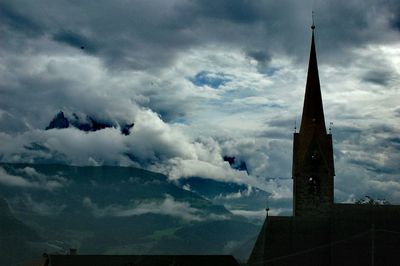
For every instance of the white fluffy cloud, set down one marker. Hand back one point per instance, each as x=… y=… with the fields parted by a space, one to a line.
x=34 y=180
x=168 y=206
x=12 y=180
x=257 y=215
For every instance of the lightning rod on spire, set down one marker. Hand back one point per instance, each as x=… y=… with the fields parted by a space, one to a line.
x=267 y=208
x=312 y=17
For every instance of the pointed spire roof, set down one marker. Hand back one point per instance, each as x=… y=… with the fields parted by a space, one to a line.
x=313 y=113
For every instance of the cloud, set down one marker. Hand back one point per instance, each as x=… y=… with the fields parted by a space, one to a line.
x=260 y=56
x=36 y=180
x=106 y=146
x=168 y=206
x=237 y=195
x=137 y=65
x=254 y=215
x=375 y=174
x=11 y=124
x=385 y=186
x=378 y=77
x=19 y=21
x=260 y=215
x=141 y=36
x=189 y=168
x=75 y=40
x=11 y=180
x=40 y=207
x=213 y=80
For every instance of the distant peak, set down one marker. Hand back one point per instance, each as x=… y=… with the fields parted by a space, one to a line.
x=59 y=121
x=86 y=123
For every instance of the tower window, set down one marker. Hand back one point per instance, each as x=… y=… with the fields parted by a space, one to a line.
x=314 y=156
x=313 y=185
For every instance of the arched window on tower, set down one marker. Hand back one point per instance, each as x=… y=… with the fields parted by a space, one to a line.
x=313 y=185
x=315 y=157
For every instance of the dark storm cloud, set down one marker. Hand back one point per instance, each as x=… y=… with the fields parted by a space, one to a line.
x=48 y=92
x=378 y=77
x=395 y=22
x=383 y=128
x=143 y=34
x=394 y=19
x=169 y=111
x=368 y=157
x=76 y=40
x=376 y=138
x=282 y=123
x=260 y=56
x=395 y=142
x=275 y=134
x=18 y=21
x=237 y=11
x=349 y=23
x=373 y=166
x=358 y=135
x=11 y=124
x=348 y=133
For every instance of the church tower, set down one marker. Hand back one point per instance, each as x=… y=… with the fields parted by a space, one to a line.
x=322 y=232
x=313 y=168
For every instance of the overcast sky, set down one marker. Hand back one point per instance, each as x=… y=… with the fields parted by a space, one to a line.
x=200 y=80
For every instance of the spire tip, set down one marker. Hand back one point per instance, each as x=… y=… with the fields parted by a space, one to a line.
x=312 y=16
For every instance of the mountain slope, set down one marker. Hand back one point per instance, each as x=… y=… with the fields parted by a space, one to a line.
x=236 y=196
x=14 y=237
x=118 y=210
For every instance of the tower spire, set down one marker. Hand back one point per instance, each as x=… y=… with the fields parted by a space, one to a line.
x=313 y=112
x=313 y=167
x=312 y=17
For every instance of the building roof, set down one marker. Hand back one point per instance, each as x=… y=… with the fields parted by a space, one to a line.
x=142 y=260
x=346 y=237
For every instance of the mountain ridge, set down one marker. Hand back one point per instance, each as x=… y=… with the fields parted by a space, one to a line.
x=120 y=210
x=86 y=123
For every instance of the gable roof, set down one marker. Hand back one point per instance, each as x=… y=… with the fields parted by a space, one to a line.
x=142 y=260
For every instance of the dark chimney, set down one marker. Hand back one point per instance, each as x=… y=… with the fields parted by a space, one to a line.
x=73 y=251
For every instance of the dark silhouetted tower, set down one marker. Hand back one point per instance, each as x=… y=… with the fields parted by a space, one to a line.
x=313 y=168
x=322 y=232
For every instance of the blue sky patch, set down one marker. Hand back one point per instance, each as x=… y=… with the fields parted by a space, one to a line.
x=212 y=79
